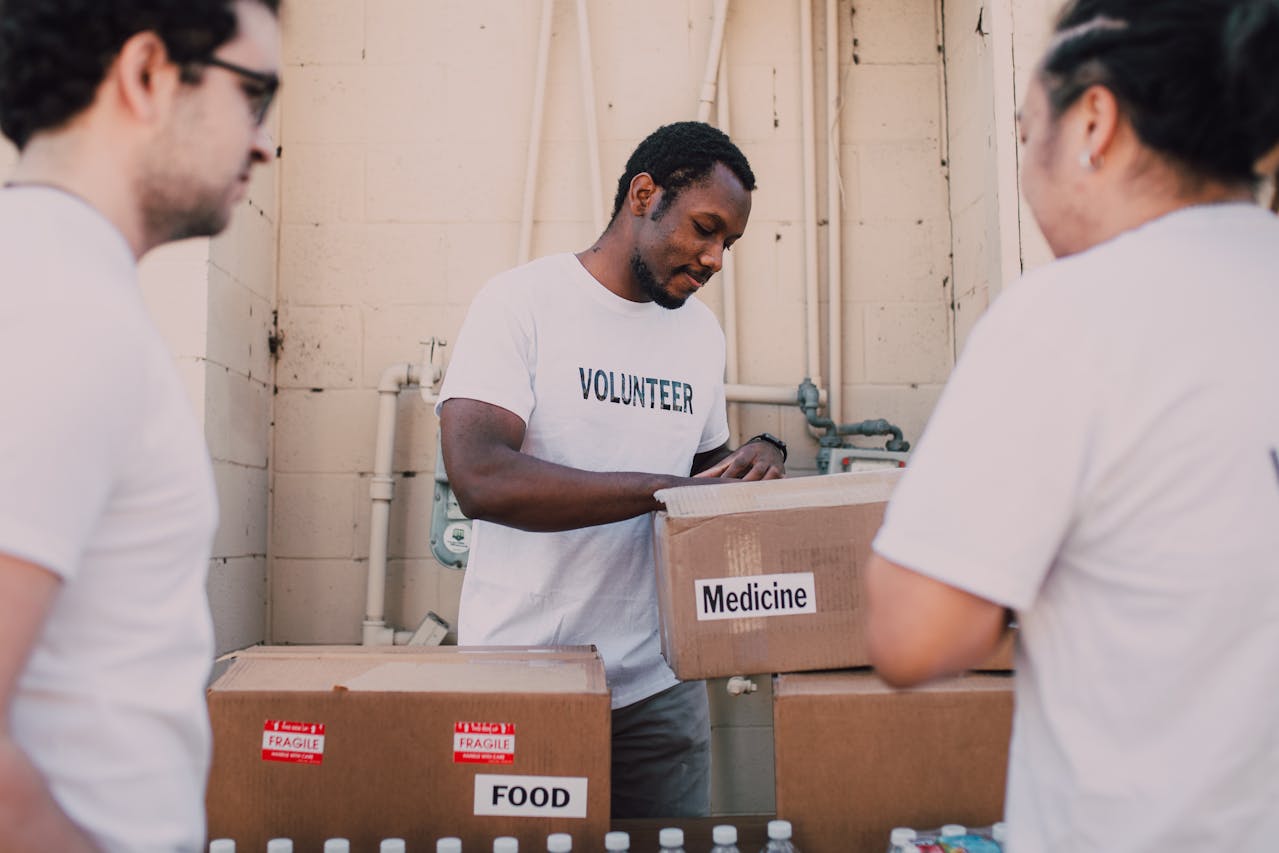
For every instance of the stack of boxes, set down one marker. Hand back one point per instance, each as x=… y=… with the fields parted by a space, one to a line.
x=767 y=578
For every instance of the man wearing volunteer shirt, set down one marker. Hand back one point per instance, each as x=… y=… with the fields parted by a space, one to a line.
x=582 y=384
x=137 y=123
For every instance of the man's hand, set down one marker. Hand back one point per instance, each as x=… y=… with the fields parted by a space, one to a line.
x=754 y=460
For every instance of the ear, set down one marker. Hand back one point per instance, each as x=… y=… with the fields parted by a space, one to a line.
x=143 y=78
x=1101 y=118
x=643 y=194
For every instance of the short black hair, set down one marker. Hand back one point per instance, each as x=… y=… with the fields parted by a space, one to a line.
x=1197 y=79
x=678 y=155
x=55 y=53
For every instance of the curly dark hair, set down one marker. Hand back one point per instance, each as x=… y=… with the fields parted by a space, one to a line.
x=1197 y=79
x=678 y=155
x=55 y=53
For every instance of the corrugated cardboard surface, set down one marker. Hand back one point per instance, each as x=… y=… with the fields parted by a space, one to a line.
x=822 y=525
x=855 y=758
x=388 y=766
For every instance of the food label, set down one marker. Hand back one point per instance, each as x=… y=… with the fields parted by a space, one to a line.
x=530 y=796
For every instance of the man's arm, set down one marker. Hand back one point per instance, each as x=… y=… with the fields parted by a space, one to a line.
x=30 y=820
x=754 y=460
x=920 y=628
x=494 y=481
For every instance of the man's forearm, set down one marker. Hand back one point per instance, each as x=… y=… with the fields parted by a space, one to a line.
x=30 y=819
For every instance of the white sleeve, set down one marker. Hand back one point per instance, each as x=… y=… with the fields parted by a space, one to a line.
x=70 y=401
x=494 y=357
x=991 y=491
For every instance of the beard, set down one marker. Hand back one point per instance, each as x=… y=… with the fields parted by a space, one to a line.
x=179 y=209
x=648 y=283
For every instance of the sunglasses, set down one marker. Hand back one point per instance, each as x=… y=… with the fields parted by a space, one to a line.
x=259 y=87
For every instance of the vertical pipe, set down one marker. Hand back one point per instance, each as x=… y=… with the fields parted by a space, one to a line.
x=728 y=275
x=834 y=221
x=535 y=133
x=812 y=366
x=708 y=97
x=588 y=117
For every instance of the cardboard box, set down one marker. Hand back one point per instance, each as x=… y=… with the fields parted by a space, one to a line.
x=855 y=758
x=766 y=577
x=311 y=743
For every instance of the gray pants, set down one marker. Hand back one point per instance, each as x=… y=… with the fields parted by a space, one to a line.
x=662 y=755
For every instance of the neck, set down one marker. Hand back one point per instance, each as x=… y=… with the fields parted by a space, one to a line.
x=68 y=161
x=608 y=261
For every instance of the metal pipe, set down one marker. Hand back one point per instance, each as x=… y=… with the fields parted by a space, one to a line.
x=588 y=117
x=729 y=273
x=708 y=93
x=834 y=220
x=381 y=490
x=813 y=363
x=778 y=395
x=535 y=133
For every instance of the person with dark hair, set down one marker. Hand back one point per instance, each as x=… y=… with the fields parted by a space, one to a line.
x=1133 y=527
x=575 y=393
x=137 y=122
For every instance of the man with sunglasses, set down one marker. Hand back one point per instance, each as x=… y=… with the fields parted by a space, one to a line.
x=137 y=122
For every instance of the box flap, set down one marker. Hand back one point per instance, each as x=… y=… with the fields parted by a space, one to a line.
x=859 y=487
x=409 y=670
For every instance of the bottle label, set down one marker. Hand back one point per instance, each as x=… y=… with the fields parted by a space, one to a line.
x=756 y=595
x=530 y=796
x=483 y=743
x=293 y=742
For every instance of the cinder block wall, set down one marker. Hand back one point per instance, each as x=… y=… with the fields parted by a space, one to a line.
x=405 y=129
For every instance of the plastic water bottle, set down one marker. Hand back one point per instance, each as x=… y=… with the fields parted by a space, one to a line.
x=506 y=844
x=724 y=838
x=999 y=833
x=559 y=842
x=448 y=845
x=391 y=845
x=222 y=845
x=952 y=830
x=779 y=832
x=617 y=842
x=900 y=837
x=337 y=845
x=671 y=840
x=279 y=845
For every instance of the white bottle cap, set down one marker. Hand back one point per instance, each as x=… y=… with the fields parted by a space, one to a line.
x=671 y=836
x=724 y=835
x=448 y=845
x=902 y=835
x=222 y=845
x=337 y=845
x=279 y=845
x=952 y=829
x=506 y=844
x=617 y=841
x=999 y=832
x=392 y=845
x=779 y=830
x=559 y=842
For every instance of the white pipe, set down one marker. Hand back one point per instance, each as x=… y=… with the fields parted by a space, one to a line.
x=834 y=221
x=729 y=273
x=588 y=116
x=777 y=395
x=812 y=368
x=381 y=489
x=535 y=133
x=707 y=96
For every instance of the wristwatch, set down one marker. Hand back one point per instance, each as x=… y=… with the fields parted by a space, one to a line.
x=771 y=439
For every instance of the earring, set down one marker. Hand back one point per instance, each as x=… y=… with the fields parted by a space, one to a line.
x=1089 y=161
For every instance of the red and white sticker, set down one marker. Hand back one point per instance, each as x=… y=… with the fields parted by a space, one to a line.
x=483 y=743
x=296 y=743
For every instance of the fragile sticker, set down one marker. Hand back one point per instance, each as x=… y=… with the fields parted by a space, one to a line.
x=483 y=743
x=756 y=595
x=530 y=796
x=296 y=743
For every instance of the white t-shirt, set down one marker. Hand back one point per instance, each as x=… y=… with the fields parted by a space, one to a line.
x=105 y=481
x=1103 y=461
x=602 y=384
